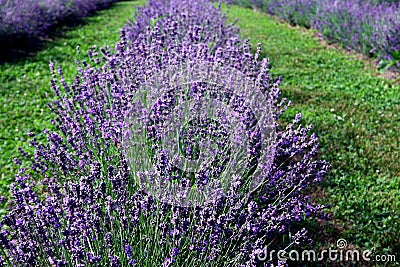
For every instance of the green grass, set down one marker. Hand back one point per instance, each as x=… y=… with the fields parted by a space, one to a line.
x=25 y=84
x=357 y=117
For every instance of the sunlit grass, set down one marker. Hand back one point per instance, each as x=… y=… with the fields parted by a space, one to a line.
x=356 y=116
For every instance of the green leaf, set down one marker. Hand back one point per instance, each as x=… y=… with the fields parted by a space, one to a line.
x=396 y=55
x=154 y=21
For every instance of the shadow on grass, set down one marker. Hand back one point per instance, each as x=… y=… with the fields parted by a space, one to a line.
x=16 y=48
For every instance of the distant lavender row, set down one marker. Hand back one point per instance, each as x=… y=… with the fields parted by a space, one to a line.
x=33 y=18
x=370 y=27
x=77 y=204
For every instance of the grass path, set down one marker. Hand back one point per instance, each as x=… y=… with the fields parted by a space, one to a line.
x=357 y=117
x=24 y=85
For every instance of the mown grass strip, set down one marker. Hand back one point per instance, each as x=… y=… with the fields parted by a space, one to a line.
x=25 y=84
x=356 y=116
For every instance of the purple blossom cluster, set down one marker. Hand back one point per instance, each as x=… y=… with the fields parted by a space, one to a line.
x=78 y=204
x=34 y=18
x=370 y=27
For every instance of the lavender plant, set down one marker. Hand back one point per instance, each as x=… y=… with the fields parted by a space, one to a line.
x=33 y=18
x=369 y=27
x=79 y=204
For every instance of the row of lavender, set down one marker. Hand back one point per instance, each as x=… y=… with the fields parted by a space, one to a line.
x=77 y=204
x=33 y=18
x=370 y=27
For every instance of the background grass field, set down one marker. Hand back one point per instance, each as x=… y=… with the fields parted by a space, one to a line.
x=357 y=118
x=355 y=114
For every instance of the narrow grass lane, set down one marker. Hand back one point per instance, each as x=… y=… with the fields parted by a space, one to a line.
x=357 y=117
x=25 y=84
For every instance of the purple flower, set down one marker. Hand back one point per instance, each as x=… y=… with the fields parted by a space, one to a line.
x=174 y=252
x=370 y=27
x=33 y=19
x=128 y=251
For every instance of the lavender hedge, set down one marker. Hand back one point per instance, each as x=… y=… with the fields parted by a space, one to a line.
x=77 y=204
x=34 y=18
x=370 y=27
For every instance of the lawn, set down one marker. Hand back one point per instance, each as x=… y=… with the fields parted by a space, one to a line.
x=355 y=113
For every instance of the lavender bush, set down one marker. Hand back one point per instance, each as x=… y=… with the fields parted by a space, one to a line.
x=78 y=203
x=34 y=18
x=370 y=27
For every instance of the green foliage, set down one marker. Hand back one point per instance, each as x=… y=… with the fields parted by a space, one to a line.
x=356 y=116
